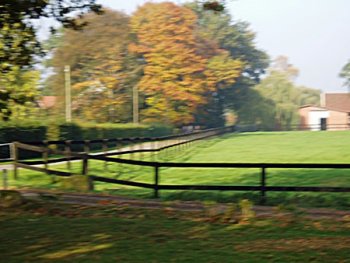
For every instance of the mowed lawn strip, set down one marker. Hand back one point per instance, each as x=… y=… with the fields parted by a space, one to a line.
x=280 y=147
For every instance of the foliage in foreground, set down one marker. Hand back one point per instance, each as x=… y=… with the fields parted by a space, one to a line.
x=18 y=94
x=46 y=231
x=19 y=44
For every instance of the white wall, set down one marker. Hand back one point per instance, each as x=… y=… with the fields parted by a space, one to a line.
x=315 y=119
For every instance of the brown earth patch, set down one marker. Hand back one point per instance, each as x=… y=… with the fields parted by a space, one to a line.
x=298 y=244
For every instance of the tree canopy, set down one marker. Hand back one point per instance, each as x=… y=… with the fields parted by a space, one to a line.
x=100 y=73
x=187 y=63
x=160 y=49
x=345 y=74
x=279 y=88
x=179 y=70
x=18 y=93
x=221 y=31
x=18 y=41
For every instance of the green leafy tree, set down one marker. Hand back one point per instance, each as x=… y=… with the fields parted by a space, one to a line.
x=345 y=74
x=102 y=71
x=18 y=42
x=18 y=94
x=186 y=62
x=221 y=31
x=180 y=71
x=281 y=90
x=286 y=96
x=253 y=108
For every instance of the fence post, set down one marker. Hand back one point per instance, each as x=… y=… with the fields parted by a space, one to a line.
x=87 y=146
x=156 y=181
x=132 y=147
x=263 y=184
x=4 y=178
x=105 y=150
x=121 y=166
x=141 y=153
x=45 y=156
x=85 y=164
x=68 y=153
x=14 y=156
x=90 y=183
x=153 y=146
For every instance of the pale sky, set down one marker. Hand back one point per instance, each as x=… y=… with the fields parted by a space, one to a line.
x=314 y=34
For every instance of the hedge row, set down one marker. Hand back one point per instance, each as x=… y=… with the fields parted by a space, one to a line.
x=29 y=132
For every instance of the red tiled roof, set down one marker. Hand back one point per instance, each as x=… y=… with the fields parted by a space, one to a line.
x=338 y=101
x=313 y=107
x=47 y=102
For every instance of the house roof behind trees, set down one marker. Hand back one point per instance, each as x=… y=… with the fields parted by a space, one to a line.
x=47 y=102
x=337 y=101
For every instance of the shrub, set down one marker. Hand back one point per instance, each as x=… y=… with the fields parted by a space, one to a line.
x=10 y=198
x=40 y=131
x=78 y=183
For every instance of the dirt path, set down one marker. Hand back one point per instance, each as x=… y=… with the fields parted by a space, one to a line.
x=185 y=206
x=6 y=167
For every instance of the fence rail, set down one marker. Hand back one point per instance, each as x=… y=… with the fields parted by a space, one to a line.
x=294 y=127
x=158 y=145
x=145 y=145
x=263 y=188
x=9 y=147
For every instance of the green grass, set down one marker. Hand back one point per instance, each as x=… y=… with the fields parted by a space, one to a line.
x=258 y=147
x=60 y=233
x=315 y=147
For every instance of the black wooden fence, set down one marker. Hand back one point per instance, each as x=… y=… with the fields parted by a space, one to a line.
x=63 y=149
x=159 y=144
x=262 y=187
x=6 y=150
x=293 y=127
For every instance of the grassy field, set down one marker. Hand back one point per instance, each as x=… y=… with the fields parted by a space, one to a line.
x=49 y=232
x=258 y=147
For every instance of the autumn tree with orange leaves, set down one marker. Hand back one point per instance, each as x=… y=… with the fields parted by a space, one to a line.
x=179 y=68
x=100 y=70
x=189 y=65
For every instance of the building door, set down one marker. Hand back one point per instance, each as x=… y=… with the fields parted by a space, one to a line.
x=323 y=123
x=315 y=119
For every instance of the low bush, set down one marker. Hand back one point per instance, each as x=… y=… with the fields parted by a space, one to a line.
x=10 y=198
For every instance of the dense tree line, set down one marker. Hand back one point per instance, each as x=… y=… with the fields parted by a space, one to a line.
x=345 y=74
x=188 y=63
x=20 y=49
x=274 y=102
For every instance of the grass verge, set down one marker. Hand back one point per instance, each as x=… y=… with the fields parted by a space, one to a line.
x=48 y=232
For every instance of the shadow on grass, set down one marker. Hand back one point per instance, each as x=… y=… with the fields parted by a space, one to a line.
x=302 y=199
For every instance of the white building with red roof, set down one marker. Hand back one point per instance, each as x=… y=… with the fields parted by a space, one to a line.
x=332 y=114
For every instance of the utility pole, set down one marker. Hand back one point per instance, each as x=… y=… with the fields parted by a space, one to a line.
x=67 y=85
x=111 y=111
x=135 y=105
